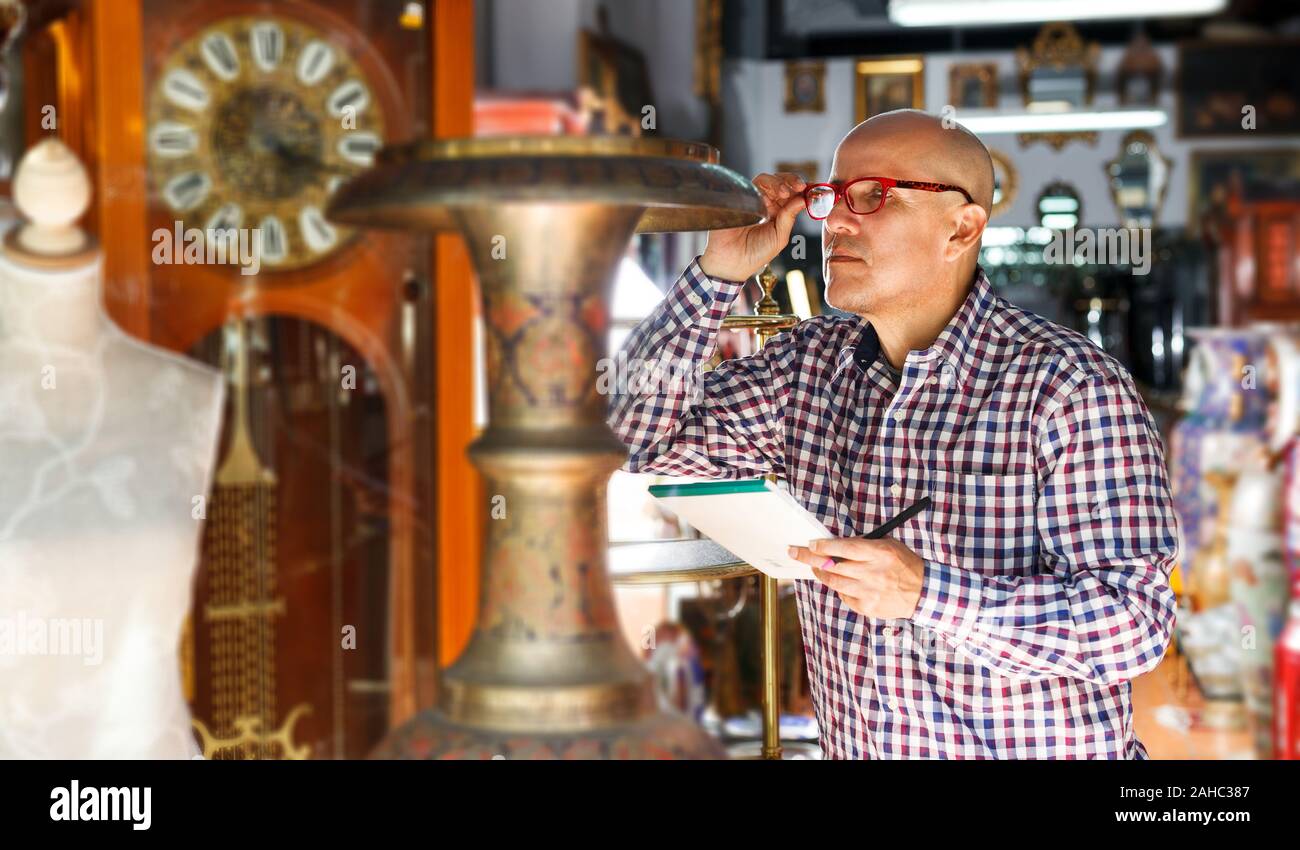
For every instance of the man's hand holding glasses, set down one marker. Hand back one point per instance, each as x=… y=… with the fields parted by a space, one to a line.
x=741 y=252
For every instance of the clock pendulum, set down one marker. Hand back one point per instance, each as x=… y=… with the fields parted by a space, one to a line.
x=547 y=672
x=242 y=606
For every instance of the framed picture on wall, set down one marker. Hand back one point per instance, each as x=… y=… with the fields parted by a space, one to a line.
x=885 y=84
x=613 y=84
x=805 y=86
x=1221 y=84
x=1214 y=173
x=973 y=85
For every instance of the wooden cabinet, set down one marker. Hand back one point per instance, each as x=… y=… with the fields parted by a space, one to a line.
x=1258 y=259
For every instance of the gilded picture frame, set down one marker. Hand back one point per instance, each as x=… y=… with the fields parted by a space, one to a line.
x=973 y=85
x=805 y=86
x=887 y=83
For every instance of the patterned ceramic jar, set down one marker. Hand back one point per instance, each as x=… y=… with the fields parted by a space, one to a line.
x=1224 y=429
x=1258 y=587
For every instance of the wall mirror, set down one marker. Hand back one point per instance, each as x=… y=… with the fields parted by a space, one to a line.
x=1138 y=177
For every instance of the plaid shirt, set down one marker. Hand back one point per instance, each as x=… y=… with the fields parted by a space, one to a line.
x=1047 y=550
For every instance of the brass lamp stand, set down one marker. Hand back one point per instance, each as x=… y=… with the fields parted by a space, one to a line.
x=643 y=567
x=547 y=673
x=767 y=322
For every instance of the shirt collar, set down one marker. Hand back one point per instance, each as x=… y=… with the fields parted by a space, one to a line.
x=955 y=346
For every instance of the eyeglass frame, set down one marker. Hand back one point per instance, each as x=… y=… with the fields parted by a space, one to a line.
x=886 y=183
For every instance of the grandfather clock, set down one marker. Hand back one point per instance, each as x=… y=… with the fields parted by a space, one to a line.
x=320 y=612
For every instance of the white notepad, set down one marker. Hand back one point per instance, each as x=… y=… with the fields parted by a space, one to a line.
x=754 y=518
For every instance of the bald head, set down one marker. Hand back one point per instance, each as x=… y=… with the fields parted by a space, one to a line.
x=930 y=150
x=873 y=262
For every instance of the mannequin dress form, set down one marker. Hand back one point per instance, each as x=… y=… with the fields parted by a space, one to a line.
x=107 y=446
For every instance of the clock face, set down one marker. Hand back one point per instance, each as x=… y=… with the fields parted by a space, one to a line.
x=253 y=123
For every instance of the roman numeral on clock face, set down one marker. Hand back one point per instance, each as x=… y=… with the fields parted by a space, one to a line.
x=170 y=139
x=315 y=61
x=350 y=96
x=318 y=233
x=186 y=90
x=359 y=148
x=274 y=241
x=266 y=41
x=219 y=53
x=227 y=217
x=186 y=191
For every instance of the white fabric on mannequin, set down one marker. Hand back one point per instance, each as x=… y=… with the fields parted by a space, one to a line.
x=105 y=445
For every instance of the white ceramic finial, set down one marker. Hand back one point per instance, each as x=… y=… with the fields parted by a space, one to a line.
x=51 y=190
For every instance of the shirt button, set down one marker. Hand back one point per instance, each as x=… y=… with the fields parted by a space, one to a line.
x=696 y=300
x=934 y=379
x=897 y=416
x=895 y=490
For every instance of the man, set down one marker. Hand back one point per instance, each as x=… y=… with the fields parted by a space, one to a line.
x=1008 y=620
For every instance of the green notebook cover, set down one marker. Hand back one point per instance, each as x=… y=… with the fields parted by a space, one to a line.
x=709 y=488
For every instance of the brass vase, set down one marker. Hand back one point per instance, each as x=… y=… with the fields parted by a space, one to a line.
x=547 y=220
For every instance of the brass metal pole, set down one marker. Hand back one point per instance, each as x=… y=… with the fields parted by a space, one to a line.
x=769 y=594
x=769 y=589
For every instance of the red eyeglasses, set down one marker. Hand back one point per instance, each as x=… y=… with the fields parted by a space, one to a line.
x=865 y=195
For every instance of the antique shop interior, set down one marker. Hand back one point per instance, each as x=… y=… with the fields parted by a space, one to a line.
x=328 y=480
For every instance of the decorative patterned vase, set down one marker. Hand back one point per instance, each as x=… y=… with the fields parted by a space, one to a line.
x=547 y=673
x=1258 y=587
x=1224 y=429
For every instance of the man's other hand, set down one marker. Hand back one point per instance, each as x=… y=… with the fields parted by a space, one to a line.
x=876 y=578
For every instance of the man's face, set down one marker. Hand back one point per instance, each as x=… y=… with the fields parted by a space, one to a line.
x=889 y=260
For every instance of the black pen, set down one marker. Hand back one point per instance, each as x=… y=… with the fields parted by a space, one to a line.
x=908 y=512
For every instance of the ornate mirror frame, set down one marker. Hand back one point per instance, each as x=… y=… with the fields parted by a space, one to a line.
x=1112 y=165
x=1058 y=47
